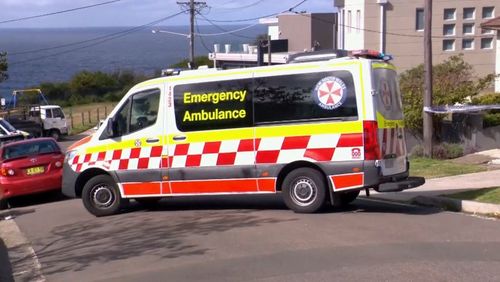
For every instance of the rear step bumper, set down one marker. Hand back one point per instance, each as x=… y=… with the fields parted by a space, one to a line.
x=398 y=186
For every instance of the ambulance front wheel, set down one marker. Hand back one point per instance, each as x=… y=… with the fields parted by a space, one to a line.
x=101 y=196
x=304 y=190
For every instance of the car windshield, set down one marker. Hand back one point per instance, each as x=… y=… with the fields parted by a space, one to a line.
x=5 y=124
x=29 y=149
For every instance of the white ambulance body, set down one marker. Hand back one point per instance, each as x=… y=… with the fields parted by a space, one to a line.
x=317 y=132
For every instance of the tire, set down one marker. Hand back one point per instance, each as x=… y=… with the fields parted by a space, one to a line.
x=101 y=197
x=304 y=190
x=54 y=133
x=4 y=204
x=345 y=198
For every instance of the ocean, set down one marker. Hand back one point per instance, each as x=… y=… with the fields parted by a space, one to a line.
x=142 y=51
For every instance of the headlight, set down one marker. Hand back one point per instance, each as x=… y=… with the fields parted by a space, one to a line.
x=69 y=156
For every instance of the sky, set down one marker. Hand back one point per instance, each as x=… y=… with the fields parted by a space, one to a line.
x=138 y=12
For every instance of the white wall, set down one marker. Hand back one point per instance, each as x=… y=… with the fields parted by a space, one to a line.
x=354 y=38
x=274 y=32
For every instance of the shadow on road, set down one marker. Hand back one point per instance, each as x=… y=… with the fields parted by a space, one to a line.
x=37 y=199
x=76 y=246
x=5 y=266
x=171 y=228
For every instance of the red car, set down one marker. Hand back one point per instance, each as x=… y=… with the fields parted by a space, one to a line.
x=29 y=166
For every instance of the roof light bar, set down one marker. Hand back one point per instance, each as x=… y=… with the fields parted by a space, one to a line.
x=370 y=54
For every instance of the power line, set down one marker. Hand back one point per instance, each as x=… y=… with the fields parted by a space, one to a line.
x=240 y=7
x=393 y=33
x=59 y=12
x=264 y=16
x=201 y=38
x=225 y=30
x=92 y=39
x=101 y=40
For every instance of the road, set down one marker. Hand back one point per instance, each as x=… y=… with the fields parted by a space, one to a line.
x=241 y=238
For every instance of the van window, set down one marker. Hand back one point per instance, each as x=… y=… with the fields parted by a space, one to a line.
x=48 y=113
x=213 y=105
x=57 y=113
x=121 y=119
x=389 y=102
x=305 y=97
x=138 y=112
x=144 y=112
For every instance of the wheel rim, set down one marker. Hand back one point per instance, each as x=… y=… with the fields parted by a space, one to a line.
x=303 y=192
x=102 y=196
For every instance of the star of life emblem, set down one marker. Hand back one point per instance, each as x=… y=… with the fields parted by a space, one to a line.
x=330 y=93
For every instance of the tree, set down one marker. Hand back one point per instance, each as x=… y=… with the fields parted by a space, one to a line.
x=3 y=67
x=453 y=81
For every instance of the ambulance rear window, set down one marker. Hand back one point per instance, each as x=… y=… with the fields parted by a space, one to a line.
x=305 y=97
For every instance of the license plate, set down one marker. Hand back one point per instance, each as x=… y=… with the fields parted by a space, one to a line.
x=35 y=170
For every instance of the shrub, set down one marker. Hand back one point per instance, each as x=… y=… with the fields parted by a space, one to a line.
x=454 y=81
x=491 y=118
x=446 y=151
x=417 y=151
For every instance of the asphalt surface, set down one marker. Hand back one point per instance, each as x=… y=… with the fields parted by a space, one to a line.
x=255 y=238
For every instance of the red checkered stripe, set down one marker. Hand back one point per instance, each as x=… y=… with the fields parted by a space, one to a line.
x=130 y=158
x=274 y=150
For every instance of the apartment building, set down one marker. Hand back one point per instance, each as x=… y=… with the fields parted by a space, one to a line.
x=397 y=27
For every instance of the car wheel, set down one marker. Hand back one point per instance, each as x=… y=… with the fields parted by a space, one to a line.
x=345 y=198
x=101 y=197
x=4 y=204
x=304 y=190
x=54 y=133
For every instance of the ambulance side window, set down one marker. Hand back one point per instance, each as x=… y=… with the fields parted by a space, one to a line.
x=305 y=97
x=139 y=111
x=144 y=112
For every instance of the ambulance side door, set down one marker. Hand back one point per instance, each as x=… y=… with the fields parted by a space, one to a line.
x=136 y=144
x=211 y=138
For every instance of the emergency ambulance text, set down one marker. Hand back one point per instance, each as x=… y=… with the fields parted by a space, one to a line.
x=215 y=97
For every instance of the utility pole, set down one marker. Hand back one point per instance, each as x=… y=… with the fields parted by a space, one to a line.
x=193 y=8
x=427 y=126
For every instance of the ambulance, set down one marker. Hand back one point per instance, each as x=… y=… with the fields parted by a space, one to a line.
x=317 y=132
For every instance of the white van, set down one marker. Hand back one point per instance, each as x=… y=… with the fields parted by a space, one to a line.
x=317 y=132
x=52 y=119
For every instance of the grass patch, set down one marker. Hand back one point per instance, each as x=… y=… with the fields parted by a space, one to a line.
x=486 y=195
x=432 y=168
x=83 y=117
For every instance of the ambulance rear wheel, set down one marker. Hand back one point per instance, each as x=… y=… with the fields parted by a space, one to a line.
x=304 y=190
x=101 y=196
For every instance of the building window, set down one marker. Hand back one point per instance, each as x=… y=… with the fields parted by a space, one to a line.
x=486 y=43
x=358 y=21
x=448 y=29
x=449 y=14
x=448 y=45
x=468 y=44
x=487 y=31
x=488 y=12
x=349 y=21
x=419 y=16
x=469 y=13
x=468 y=29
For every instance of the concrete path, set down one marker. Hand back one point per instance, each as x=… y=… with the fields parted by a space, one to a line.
x=428 y=194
